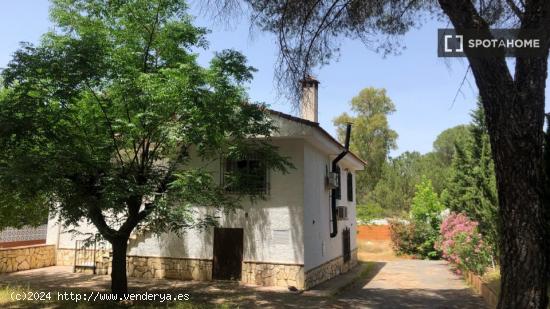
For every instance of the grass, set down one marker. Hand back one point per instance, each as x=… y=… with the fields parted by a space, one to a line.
x=6 y=300
x=492 y=278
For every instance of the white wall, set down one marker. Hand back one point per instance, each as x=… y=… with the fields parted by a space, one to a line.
x=318 y=246
x=281 y=211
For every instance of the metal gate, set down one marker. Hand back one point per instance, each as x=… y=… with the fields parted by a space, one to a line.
x=85 y=255
x=346 y=244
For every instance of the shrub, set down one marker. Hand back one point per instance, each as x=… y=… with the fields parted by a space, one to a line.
x=365 y=213
x=414 y=238
x=402 y=236
x=420 y=235
x=463 y=245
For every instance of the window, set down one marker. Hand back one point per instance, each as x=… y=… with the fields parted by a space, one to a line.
x=346 y=244
x=342 y=212
x=350 y=186
x=245 y=176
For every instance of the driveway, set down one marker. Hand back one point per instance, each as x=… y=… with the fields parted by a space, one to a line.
x=390 y=284
x=411 y=284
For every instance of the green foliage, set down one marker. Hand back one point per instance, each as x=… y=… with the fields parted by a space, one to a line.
x=414 y=238
x=395 y=190
x=366 y=213
x=426 y=206
x=474 y=259
x=371 y=136
x=400 y=175
x=444 y=144
x=418 y=237
x=472 y=183
x=100 y=119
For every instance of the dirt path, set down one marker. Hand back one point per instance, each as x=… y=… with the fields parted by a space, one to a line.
x=411 y=284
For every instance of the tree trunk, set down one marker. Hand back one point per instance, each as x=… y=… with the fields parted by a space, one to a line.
x=119 y=280
x=518 y=141
x=514 y=112
x=515 y=118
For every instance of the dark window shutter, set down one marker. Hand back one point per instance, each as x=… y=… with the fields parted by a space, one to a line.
x=350 y=187
x=339 y=188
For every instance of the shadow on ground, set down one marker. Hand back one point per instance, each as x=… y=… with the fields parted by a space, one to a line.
x=223 y=294
x=392 y=284
x=410 y=298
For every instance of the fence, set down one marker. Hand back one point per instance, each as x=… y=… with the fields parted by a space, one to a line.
x=26 y=233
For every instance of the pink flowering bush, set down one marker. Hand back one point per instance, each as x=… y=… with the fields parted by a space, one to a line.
x=462 y=244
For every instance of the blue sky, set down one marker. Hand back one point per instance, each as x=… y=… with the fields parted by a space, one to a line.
x=421 y=85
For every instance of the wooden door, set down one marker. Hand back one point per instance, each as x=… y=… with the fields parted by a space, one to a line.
x=228 y=254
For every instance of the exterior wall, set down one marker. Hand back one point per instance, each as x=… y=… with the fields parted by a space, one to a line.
x=270 y=274
x=319 y=248
x=281 y=211
x=286 y=236
x=267 y=256
x=64 y=257
x=16 y=259
x=329 y=270
x=171 y=268
x=25 y=234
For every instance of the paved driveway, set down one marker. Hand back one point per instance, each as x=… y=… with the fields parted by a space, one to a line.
x=391 y=284
x=411 y=284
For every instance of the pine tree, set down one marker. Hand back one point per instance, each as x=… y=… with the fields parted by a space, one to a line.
x=472 y=184
x=459 y=193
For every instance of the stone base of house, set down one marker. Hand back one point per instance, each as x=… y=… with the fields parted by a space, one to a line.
x=272 y=274
x=258 y=273
x=170 y=268
x=329 y=270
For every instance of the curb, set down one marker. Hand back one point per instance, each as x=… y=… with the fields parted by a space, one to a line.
x=482 y=288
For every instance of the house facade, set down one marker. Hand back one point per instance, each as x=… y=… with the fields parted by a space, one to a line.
x=300 y=235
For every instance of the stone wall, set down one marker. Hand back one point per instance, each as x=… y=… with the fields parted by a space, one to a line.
x=171 y=268
x=271 y=274
x=258 y=273
x=329 y=270
x=146 y=266
x=23 y=258
x=64 y=257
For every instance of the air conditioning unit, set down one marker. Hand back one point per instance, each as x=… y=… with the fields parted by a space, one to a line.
x=333 y=181
x=342 y=212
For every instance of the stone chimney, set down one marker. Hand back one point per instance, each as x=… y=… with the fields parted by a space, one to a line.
x=310 y=99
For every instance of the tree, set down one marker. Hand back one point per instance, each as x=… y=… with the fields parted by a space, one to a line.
x=309 y=33
x=426 y=206
x=98 y=120
x=472 y=185
x=444 y=144
x=371 y=137
x=396 y=188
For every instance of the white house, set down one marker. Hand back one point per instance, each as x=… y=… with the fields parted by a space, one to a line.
x=302 y=234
